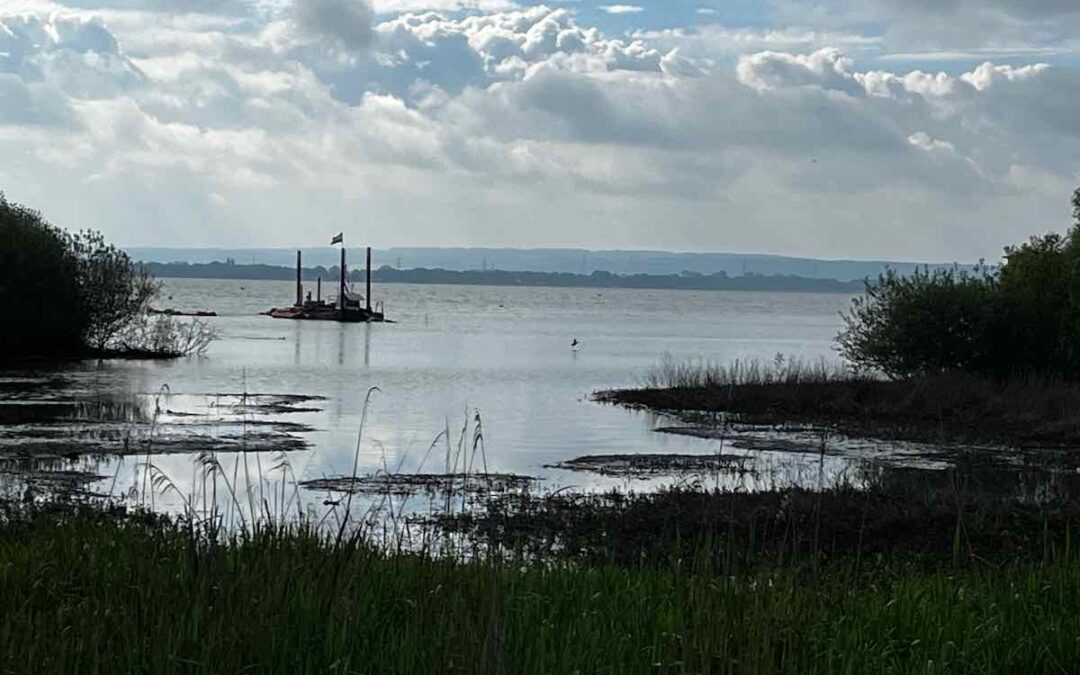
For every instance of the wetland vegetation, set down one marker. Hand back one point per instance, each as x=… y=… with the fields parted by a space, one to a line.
x=93 y=590
x=989 y=356
x=881 y=569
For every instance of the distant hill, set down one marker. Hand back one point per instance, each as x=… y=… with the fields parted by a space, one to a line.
x=569 y=261
x=598 y=279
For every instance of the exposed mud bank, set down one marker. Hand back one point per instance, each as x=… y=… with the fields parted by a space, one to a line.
x=416 y=483
x=952 y=408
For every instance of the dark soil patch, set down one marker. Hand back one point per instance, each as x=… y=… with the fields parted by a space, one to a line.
x=35 y=412
x=62 y=479
x=414 y=483
x=268 y=404
x=73 y=448
x=647 y=466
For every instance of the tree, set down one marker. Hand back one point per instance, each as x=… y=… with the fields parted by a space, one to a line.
x=930 y=321
x=40 y=295
x=1019 y=319
x=114 y=290
x=70 y=295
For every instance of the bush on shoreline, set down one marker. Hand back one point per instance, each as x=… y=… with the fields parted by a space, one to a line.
x=66 y=294
x=1017 y=319
x=39 y=287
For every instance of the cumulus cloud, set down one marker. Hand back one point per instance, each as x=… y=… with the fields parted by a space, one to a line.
x=519 y=127
x=403 y=6
x=76 y=55
x=347 y=22
x=1024 y=9
x=621 y=9
x=26 y=104
x=827 y=68
x=953 y=29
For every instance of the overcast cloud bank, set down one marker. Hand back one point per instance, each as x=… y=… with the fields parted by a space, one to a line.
x=267 y=123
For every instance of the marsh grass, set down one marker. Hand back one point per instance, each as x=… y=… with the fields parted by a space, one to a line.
x=114 y=592
x=684 y=581
x=673 y=373
x=952 y=407
x=898 y=579
x=933 y=524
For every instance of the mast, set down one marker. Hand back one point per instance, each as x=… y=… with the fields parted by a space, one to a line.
x=341 y=275
x=299 y=286
x=367 y=294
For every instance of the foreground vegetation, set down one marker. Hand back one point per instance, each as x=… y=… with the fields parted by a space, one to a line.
x=92 y=591
x=927 y=520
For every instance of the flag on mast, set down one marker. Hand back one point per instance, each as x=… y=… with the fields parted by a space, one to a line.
x=338 y=239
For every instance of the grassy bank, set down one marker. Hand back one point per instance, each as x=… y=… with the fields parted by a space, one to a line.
x=951 y=407
x=92 y=592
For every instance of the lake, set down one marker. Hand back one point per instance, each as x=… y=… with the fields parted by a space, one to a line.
x=450 y=353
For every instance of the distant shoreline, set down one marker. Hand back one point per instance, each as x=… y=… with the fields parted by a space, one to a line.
x=390 y=275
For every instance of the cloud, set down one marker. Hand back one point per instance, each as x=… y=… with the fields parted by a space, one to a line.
x=404 y=6
x=346 y=22
x=167 y=6
x=1023 y=9
x=949 y=27
x=524 y=126
x=828 y=68
x=621 y=9
x=78 y=56
x=32 y=105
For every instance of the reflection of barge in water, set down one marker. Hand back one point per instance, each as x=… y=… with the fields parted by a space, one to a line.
x=347 y=307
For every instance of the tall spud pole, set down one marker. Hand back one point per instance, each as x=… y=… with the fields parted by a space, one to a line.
x=341 y=289
x=299 y=286
x=367 y=294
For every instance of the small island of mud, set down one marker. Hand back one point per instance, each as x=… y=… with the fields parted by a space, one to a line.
x=948 y=408
x=404 y=484
x=648 y=466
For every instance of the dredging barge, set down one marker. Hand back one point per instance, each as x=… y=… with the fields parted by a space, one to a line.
x=348 y=307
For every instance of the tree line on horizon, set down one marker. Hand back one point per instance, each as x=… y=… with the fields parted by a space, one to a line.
x=494 y=277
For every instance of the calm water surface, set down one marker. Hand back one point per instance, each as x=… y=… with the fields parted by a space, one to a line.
x=452 y=351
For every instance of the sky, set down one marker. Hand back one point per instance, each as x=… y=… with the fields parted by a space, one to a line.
x=899 y=129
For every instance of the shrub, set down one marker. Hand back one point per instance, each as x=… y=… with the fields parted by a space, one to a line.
x=115 y=292
x=64 y=294
x=1018 y=319
x=163 y=336
x=1040 y=286
x=923 y=323
x=40 y=295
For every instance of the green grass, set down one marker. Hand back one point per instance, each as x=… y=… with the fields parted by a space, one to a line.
x=97 y=593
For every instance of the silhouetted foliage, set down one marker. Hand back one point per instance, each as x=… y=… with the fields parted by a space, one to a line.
x=926 y=322
x=40 y=297
x=71 y=294
x=1021 y=318
x=114 y=290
